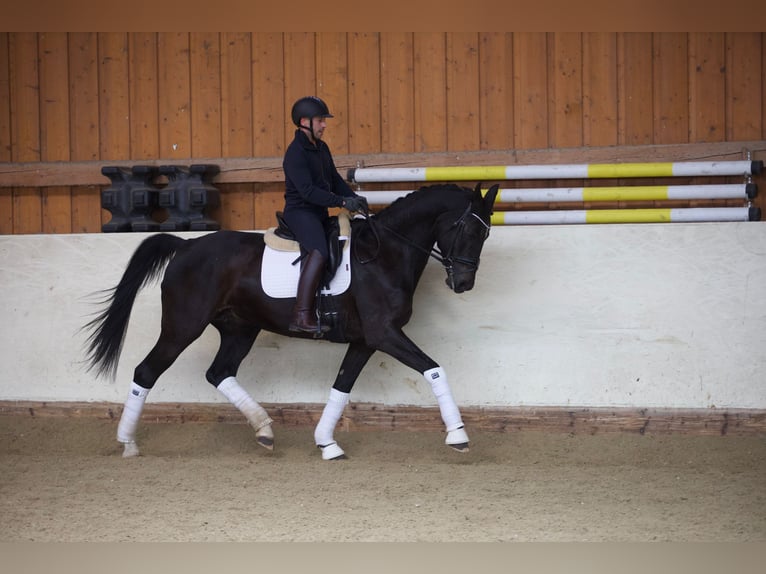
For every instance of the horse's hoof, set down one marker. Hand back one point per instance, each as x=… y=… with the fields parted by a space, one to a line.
x=457 y=439
x=130 y=450
x=265 y=442
x=332 y=451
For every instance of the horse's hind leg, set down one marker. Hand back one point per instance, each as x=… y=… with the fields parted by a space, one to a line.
x=236 y=342
x=354 y=361
x=159 y=359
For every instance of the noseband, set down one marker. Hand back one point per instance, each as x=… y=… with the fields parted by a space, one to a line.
x=449 y=259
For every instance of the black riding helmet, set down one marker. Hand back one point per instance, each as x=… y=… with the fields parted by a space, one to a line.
x=309 y=107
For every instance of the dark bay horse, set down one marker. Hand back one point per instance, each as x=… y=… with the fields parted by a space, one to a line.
x=215 y=280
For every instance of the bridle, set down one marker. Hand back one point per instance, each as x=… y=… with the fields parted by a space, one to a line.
x=447 y=259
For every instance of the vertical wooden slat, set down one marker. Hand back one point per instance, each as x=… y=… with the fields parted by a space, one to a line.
x=430 y=85
x=332 y=86
x=707 y=87
x=463 y=102
x=397 y=100
x=671 y=88
x=113 y=96
x=744 y=86
x=84 y=122
x=237 y=203
x=269 y=198
x=144 y=120
x=174 y=94
x=205 y=94
x=565 y=94
x=6 y=195
x=530 y=65
x=600 y=89
x=25 y=126
x=268 y=80
x=83 y=95
x=271 y=119
x=113 y=100
x=54 y=127
x=635 y=88
x=364 y=93
x=299 y=74
x=496 y=90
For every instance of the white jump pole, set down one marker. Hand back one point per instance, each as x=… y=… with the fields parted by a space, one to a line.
x=565 y=171
x=658 y=215
x=742 y=191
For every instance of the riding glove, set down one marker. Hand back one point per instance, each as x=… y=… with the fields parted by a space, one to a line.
x=356 y=203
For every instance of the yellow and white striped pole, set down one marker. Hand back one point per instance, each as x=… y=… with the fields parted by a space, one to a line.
x=658 y=215
x=742 y=191
x=565 y=171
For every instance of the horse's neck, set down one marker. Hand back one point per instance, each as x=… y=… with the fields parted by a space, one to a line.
x=417 y=223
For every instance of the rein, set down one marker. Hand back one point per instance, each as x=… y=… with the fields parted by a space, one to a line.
x=447 y=260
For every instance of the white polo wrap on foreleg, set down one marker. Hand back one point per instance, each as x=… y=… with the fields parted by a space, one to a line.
x=333 y=410
x=254 y=413
x=449 y=411
x=134 y=404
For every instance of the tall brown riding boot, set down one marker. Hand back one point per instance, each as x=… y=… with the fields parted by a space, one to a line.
x=304 y=316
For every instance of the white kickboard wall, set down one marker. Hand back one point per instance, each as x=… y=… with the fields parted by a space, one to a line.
x=651 y=315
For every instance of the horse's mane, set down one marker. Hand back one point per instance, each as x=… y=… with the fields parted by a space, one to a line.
x=424 y=199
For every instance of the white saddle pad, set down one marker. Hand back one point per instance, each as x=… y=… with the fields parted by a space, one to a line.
x=279 y=276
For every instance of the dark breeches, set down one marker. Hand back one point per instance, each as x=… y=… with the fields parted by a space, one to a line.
x=309 y=230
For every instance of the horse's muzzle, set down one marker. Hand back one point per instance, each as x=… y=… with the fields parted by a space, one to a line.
x=461 y=285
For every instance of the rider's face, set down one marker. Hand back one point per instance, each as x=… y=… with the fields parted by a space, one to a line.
x=318 y=124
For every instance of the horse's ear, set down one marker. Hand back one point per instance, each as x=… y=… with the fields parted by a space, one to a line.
x=489 y=199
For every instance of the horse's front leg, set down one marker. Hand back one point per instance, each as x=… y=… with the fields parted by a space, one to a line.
x=354 y=361
x=398 y=345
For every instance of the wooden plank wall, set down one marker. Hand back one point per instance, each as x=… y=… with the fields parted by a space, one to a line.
x=140 y=96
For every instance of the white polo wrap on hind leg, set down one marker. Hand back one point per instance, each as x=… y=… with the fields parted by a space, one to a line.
x=134 y=404
x=449 y=411
x=333 y=410
x=254 y=413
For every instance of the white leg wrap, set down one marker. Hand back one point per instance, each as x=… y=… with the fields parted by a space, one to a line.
x=255 y=413
x=134 y=404
x=449 y=411
x=333 y=410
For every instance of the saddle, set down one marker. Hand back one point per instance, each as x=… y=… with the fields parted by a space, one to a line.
x=281 y=238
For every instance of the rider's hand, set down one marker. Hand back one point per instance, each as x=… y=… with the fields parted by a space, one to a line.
x=356 y=203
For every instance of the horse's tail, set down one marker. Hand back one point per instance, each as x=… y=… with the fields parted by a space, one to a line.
x=108 y=328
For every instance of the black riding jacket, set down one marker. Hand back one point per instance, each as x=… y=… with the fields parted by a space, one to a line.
x=312 y=182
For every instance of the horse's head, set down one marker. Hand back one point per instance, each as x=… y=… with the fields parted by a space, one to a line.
x=460 y=242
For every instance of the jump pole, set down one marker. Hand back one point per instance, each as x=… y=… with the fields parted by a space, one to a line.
x=742 y=191
x=658 y=215
x=565 y=171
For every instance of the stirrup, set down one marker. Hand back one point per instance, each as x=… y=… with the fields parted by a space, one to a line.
x=317 y=332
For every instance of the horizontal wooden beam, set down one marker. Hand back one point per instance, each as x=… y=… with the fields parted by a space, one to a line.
x=269 y=170
x=365 y=416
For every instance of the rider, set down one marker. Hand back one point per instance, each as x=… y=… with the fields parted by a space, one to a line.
x=312 y=185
